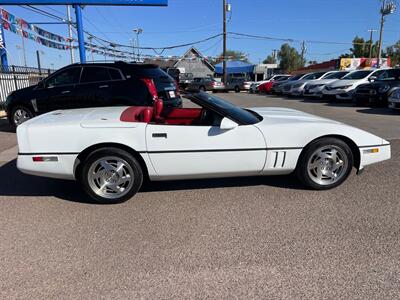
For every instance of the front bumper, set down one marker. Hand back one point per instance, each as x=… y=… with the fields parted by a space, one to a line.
x=297 y=91
x=370 y=99
x=339 y=94
x=316 y=92
x=394 y=103
x=369 y=158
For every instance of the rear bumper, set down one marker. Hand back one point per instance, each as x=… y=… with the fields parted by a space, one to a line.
x=61 y=167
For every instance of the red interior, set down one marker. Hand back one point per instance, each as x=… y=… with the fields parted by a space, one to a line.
x=160 y=115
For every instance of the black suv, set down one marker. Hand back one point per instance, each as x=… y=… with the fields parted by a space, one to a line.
x=377 y=91
x=91 y=85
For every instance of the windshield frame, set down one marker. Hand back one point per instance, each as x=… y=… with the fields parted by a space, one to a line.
x=235 y=113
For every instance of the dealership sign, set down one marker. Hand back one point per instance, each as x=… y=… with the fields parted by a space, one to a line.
x=87 y=2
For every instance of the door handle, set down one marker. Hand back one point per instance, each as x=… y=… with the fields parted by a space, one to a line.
x=65 y=92
x=103 y=86
x=159 y=135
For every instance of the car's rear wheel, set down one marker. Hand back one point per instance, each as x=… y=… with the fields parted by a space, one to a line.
x=325 y=163
x=20 y=114
x=111 y=175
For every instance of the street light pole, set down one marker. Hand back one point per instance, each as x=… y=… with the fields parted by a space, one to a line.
x=386 y=9
x=224 y=73
x=71 y=48
x=138 y=31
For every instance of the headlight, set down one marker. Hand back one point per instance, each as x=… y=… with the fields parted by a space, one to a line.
x=345 y=87
x=384 y=89
x=298 y=85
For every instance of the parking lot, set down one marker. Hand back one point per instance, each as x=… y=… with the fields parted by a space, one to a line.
x=264 y=238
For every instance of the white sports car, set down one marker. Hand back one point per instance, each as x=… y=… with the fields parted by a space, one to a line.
x=111 y=150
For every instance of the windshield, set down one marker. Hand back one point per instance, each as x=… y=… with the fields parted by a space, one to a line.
x=296 y=77
x=357 y=75
x=336 y=75
x=226 y=109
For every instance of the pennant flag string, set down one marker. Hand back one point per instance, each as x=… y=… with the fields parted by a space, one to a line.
x=13 y=20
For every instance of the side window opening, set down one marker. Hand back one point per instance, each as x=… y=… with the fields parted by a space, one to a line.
x=66 y=77
x=95 y=74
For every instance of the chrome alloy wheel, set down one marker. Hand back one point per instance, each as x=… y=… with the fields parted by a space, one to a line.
x=327 y=165
x=110 y=177
x=21 y=116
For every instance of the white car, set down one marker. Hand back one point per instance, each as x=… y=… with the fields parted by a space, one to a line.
x=296 y=88
x=111 y=150
x=314 y=87
x=344 y=88
x=394 y=99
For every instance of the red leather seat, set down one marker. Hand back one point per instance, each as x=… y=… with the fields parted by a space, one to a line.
x=146 y=115
x=157 y=110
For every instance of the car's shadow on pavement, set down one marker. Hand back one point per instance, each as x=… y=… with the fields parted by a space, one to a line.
x=378 y=111
x=16 y=184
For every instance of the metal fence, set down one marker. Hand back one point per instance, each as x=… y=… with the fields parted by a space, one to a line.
x=14 y=78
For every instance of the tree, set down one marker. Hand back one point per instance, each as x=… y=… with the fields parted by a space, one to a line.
x=231 y=55
x=394 y=53
x=359 y=48
x=289 y=58
x=269 y=60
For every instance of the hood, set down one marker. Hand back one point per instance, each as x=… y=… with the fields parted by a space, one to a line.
x=342 y=82
x=84 y=117
x=24 y=90
x=280 y=115
x=322 y=81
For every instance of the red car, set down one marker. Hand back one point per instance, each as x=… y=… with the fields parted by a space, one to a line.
x=266 y=87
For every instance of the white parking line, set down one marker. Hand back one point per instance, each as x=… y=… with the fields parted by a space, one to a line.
x=9 y=154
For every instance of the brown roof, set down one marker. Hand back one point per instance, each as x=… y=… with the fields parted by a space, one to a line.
x=162 y=63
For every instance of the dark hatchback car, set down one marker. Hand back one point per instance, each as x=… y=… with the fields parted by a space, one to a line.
x=376 y=92
x=91 y=85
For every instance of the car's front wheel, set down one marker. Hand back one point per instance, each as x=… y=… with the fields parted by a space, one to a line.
x=111 y=175
x=325 y=163
x=20 y=114
x=237 y=89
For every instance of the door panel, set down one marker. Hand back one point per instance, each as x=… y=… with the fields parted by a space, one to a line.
x=204 y=151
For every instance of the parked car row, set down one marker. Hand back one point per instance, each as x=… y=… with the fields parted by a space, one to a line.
x=209 y=84
x=378 y=87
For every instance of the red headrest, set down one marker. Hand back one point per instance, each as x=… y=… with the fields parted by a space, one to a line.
x=158 y=108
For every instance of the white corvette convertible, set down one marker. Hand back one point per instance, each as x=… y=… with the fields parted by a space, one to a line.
x=111 y=150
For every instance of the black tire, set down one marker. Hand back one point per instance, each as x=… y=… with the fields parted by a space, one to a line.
x=237 y=89
x=202 y=89
x=302 y=169
x=83 y=174
x=16 y=109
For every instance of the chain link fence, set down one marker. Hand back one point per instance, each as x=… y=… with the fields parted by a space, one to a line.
x=15 y=77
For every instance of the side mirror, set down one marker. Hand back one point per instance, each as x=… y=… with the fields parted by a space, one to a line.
x=228 y=124
x=41 y=84
x=372 y=78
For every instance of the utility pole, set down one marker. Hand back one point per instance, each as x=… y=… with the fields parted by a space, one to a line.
x=371 y=41
x=303 y=52
x=224 y=73
x=387 y=8
x=71 y=48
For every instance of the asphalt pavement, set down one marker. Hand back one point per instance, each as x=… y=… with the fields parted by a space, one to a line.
x=239 y=238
